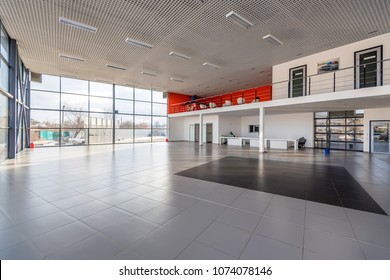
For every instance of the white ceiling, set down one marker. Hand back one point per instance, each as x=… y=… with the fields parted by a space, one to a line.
x=196 y=28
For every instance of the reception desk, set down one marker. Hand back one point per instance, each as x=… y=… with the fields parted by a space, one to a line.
x=280 y=143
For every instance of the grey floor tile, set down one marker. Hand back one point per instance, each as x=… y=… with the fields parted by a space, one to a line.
x=251 y=205
x=102 y=192
x=87 y=209
x=125 y=185
x=72 y=201
x=22 y=251
x=129 y=231
x=159 y=214
x=117 y=198
x=331 y=245
x=199 y=190
x=281 y=231
x=288 y=202
x=106 y=218
x=206 y=209
x=291 y=215
x=59 y=195
x=32 y=213
x=373 y=252
x=226 y=238
x=308 y=255
x=330 y=211
x=180 y=201
x=224 y=195
x=263 y=248
x=96 y=247
x=63 y=237
x=337 y=226
x=373 y=235
x=239 y=218
x=158 y=195
x=199 y=251
x=10 y=237
x=141 y=189
x=138 y=204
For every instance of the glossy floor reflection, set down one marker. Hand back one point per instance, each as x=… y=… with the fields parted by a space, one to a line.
x=315 y=182
x=125 y=202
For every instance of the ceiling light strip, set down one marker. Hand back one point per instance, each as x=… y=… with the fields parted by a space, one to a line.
x=273 y=40
x=138 y=43
x=71 y=57
x=207 y=64
x=77 y=24
x=148 y=74
x=115 y=67
x=239 y=20
x=179 y=55
x=176 y=80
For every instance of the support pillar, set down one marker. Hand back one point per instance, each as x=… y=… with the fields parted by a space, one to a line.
x=261 y=130
x=13 y=90
x=200 y=129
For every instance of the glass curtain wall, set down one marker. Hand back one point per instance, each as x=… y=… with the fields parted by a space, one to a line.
x=67 y=112
x=4 y=88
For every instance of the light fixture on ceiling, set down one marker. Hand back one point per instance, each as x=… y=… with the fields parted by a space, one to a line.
x=138 y=43
x=239 y=20
x=273 y=40
x=179 y=55
x=148 y=74
x=115 y=67
x=176 y=80
x=71 y=57
x=77 y=24
x=207 y=64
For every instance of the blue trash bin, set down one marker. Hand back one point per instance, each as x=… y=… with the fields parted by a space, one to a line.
x=327 y=152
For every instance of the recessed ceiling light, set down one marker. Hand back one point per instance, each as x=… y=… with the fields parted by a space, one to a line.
x=261 y=72
x=76 y=24
x=273 y=40
x=175 y=80
x=298 y=54
x=211 y=65
x=138 y=43
x=179 y=55
x=71 y=57
x=253 y=68
x=115 y=67
x=148 y=74
x=374 y=31
x=239 y=20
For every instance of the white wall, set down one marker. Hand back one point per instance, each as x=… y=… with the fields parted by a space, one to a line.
x=214 y=119
x=382 y=114
x=229 y=124
x=324 y=82
x=245 y=122
x=179 y=128
x=176 y=131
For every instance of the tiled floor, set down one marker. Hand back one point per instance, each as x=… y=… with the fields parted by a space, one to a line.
x=125 y=202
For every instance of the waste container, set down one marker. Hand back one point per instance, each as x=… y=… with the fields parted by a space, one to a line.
x=327 y=152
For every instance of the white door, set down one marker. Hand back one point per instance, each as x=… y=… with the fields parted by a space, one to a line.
x=380 y=137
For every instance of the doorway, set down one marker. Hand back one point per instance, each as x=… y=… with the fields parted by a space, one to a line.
x=380 y=137
x=368 y=70
x=209 y=133
x=297 y=83
x=194 y=132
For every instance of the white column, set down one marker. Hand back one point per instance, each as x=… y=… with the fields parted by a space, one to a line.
x=261 y=130
x=200 y=129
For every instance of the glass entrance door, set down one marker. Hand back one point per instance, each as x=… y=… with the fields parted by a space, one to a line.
x=380 y=137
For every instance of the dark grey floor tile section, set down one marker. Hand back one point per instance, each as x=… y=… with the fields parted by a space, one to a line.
x=320 y=183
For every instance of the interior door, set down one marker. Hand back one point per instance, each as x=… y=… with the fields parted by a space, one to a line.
x=368 y=70
x=297 y=84
x=209 y=133
x=380 y=137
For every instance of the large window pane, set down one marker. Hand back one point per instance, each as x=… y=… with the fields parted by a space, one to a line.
x=100 y=89
x=50 y=83
x=124 y=106
x=74 y=102
x=4 y=44
x=124 y=136
x=74 y=137
x=3 y=111
x=100 y=136
x=74 y=86
x=124 y=121
x=143 y=108
x=3 y=144
x=100 y=104
x=160 y=122
x=74 y=119
x=158 y=97
x=142 y=135
x=4 y=74
x=159 y=135
x=143 y=94
x=100 y=120
x=45 y=100
x=160 y=109
x=45 y=119
x=123 y=92
x=142 y=121
x=45 y=137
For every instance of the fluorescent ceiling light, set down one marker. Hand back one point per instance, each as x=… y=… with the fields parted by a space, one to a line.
x=138 y=43
x=77 y=24
x=71 y=57
x=148 y=74
x=273 y=40
x=239 y=20
x=176 y=80
x=211 y=65
x=116 y=67
x=179 y=55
